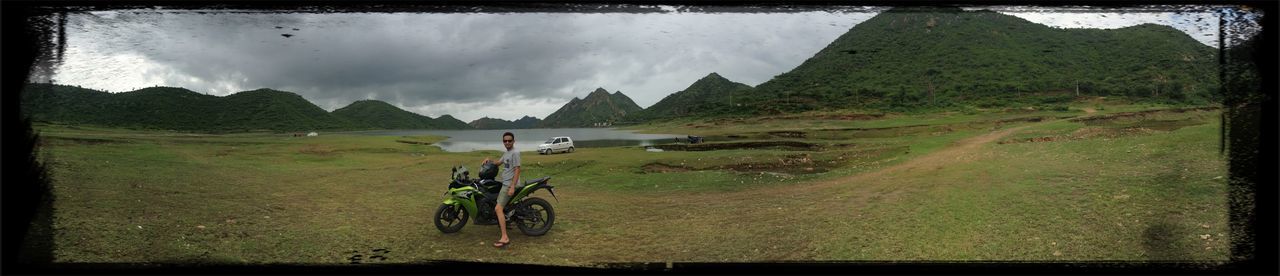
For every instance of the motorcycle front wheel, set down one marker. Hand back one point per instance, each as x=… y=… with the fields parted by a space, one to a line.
x=535 y=216
x=450 y=218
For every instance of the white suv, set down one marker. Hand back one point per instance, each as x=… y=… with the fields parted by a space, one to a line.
x=561 y=144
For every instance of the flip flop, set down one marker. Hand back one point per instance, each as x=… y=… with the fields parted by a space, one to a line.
x=501 y=244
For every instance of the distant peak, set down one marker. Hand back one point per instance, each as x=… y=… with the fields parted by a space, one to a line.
x=599 y=91
x=714 y=76
x=371 y=101
x=166 y=89
x=1151 y=26
x=924 y=9
x=269 y=90
x=266 y=90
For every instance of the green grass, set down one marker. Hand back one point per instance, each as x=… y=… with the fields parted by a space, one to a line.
x=1130 y=198
x=144 y=196
x=815 y=120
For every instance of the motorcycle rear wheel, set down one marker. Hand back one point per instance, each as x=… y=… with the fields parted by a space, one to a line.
x=535 y=216
x=450 y=218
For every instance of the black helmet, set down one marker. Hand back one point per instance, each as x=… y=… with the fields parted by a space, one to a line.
x=488 y=171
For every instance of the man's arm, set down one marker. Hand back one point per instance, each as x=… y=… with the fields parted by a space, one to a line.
x=514 y=180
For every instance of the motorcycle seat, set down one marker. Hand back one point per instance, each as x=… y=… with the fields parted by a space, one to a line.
x=526 y=183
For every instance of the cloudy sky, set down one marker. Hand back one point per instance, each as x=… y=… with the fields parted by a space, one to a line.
x=472 y=65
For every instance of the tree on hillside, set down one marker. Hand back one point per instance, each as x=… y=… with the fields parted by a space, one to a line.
x=1158 y=79
x=928 y=78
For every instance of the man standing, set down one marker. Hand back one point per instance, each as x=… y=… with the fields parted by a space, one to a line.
x=510 y=163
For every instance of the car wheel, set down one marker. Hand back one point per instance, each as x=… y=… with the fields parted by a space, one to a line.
x=570 y=149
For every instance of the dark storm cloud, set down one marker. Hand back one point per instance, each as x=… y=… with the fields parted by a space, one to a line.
x=438 y=63
x=402 y=58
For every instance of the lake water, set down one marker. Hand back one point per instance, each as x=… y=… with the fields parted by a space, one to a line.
x=529 y=139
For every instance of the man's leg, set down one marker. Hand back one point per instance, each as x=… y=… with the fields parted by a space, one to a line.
x=502 y=217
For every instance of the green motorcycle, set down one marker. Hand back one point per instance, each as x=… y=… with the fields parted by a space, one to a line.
x=469 y=198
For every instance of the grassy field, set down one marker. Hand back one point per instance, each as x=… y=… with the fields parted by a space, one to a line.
x=990 y=185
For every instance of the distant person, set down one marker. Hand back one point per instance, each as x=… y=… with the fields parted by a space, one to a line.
x=510 y=163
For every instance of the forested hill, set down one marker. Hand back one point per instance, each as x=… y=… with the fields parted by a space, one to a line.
x=494 y=123
x=382 y=115
x=915 y=57
x=706 y=95
x=598 y=107
x=181 y=109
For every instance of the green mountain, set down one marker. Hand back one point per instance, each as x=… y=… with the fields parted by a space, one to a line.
x=181 y=109
x=597 y=107
x=449 y=122
x=48 y=102
x=707 y=95
x=267 y=109
x=493 y=123
x=913 y=57
x=490 y=123
x=526 y=122
x=177 y=109
x=382 y=115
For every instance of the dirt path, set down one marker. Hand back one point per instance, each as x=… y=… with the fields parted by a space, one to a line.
x=960 y=151
x=963 y=150
x=709 y=226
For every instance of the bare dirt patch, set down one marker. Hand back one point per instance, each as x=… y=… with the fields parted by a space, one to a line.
x=1088 y=133
x=658 y=167
x=1124 y=115
x=1032 y=140
x=316 y=149
x=840 y=117
x=874 y=128
x=789 y=145
x=1098 y=132
x=788 y=134
x=792 y=164
x=879 y=132
x=1019 y=120
x=789 y=164
x=939 y=129
x=79 y=141
x=413 y=142
x=1158 y=124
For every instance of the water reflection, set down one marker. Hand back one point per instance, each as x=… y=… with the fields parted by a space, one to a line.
x=529 y=139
